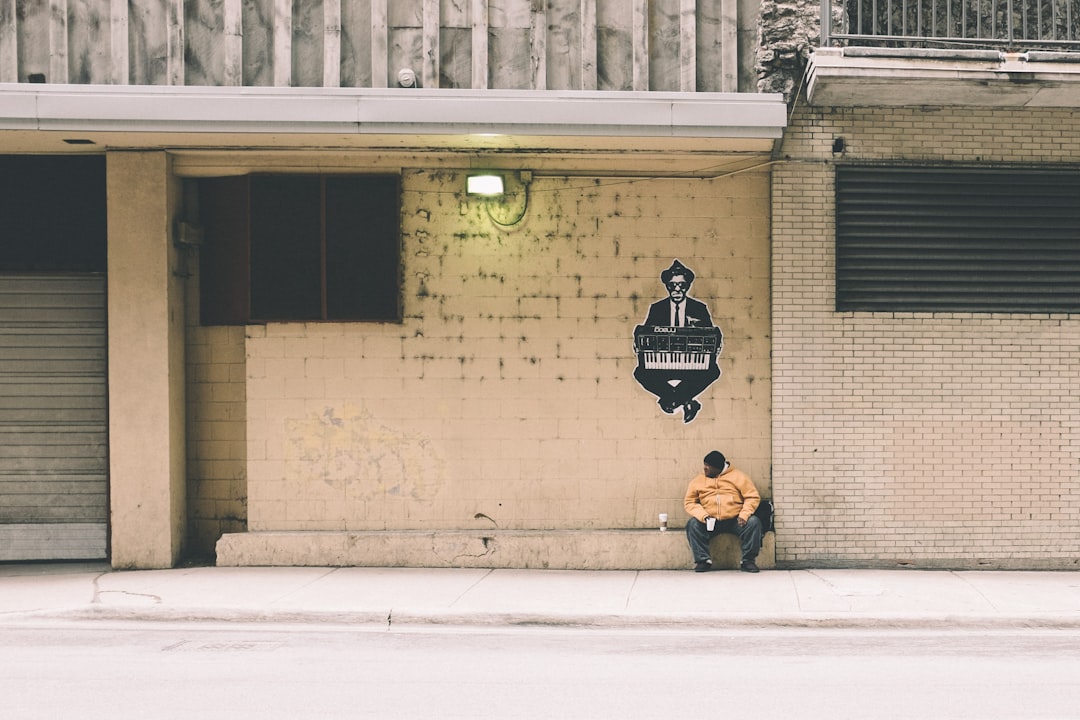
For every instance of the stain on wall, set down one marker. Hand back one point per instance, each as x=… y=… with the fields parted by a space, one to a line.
x=506 y=397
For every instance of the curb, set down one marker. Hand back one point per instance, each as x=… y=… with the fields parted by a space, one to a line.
x=701 y=622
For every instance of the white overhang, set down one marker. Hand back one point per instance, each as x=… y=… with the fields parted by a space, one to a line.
x=275 y=118
x=867 y=77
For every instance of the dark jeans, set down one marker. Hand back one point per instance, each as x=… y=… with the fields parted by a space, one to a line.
x=749 y=537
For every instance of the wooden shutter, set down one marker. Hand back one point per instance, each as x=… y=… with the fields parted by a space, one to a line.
x=224 y=272
x=281 y=248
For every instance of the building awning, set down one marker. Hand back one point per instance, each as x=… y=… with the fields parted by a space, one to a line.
x=66 y=118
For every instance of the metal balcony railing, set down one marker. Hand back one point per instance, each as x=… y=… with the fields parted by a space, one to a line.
x=1013 y=25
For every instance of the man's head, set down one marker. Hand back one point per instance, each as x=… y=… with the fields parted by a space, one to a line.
x=714 y=463
x=677 y=279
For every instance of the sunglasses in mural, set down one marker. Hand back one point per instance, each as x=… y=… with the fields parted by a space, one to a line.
x=677 y=346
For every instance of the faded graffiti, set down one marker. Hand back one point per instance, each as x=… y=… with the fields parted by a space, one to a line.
x=350 y=451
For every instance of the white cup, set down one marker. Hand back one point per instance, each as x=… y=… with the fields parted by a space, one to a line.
x=663 y=522
x=710 y=523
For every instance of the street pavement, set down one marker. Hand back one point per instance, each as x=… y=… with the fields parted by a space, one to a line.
x=397 y=597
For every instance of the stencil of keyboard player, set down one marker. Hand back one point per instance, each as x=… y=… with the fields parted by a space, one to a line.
x=677 y=346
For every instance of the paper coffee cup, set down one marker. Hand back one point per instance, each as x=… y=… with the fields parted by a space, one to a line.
x=710 y=524
x=663 y=521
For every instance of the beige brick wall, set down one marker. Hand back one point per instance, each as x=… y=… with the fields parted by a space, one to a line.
x=506 y=397
x=216 y=435
x=922 y=439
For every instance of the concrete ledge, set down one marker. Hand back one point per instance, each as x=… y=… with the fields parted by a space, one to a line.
x=520 y=549
x=875 y=77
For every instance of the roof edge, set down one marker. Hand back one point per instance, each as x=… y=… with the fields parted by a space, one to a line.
x=389 y=111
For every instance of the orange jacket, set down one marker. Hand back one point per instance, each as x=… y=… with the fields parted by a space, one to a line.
x=732 y=494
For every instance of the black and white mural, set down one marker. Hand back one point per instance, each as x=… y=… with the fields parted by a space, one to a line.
x=677 y=346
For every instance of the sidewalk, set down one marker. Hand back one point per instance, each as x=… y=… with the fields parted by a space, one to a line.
x=615 y=598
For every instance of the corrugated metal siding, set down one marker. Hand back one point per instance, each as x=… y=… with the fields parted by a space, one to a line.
x=962 y=240
x=53 y=417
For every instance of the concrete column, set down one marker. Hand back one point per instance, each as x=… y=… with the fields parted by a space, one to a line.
x=146 y=364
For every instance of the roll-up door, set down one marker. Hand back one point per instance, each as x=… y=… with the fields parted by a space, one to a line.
x=53 y=417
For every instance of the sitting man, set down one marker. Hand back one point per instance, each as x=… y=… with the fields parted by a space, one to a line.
x=722 y=500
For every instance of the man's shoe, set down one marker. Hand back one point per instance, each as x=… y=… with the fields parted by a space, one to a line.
x=690 y=410
x=666 y=406
x=749 y=566
x=703 y=566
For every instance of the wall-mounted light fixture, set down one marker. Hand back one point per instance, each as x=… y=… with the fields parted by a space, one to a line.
x=484 y=184
x=492 y=187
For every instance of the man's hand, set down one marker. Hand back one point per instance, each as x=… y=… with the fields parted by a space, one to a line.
x=742 y=521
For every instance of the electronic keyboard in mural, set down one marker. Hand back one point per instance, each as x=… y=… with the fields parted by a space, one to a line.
x=663 y=347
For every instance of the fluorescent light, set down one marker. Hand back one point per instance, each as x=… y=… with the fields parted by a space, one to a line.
x=484 y=185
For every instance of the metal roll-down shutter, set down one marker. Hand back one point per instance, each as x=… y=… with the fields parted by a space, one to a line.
x=957 y=239
x=53 y=417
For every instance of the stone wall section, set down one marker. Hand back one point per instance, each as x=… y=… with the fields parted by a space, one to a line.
x=917 y=439
x=505 y=399
x=788 y=32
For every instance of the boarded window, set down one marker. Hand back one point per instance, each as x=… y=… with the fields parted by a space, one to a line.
x=957 y=239
x=300 y=248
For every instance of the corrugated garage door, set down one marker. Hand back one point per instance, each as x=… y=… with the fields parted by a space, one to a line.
x=53 y=417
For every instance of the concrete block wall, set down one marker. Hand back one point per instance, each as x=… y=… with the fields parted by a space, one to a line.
x=917 y=439
x=506 y=400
